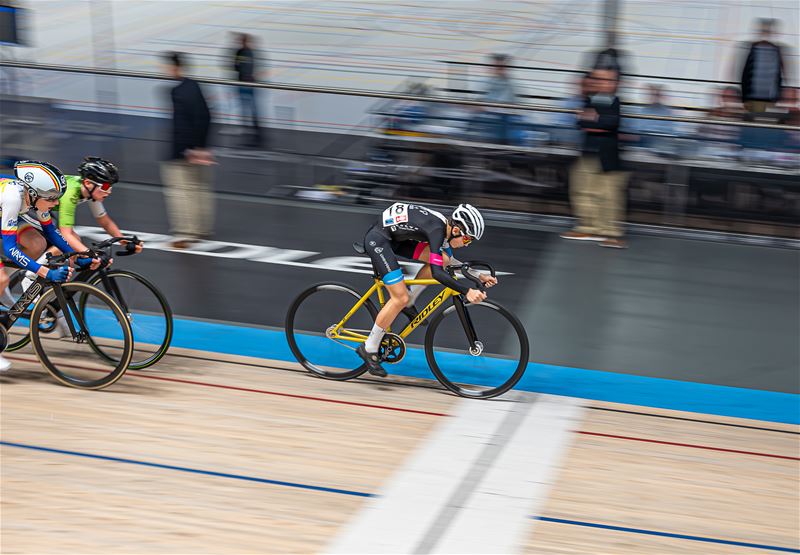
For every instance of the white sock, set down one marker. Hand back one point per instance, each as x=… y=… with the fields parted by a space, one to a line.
x=414 y=292
x=28 y=280
x=374 y=339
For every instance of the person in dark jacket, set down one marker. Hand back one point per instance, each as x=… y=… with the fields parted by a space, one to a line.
x=763 y=72
x=245 y=66
x=597 y=182
x=187 y=173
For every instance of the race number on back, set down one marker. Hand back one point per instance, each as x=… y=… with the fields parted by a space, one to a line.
x=395 y=214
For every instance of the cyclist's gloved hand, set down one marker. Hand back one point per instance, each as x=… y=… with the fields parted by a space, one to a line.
x=83 y=263
x=58 y=274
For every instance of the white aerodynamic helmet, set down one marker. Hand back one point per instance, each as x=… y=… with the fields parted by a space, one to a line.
x=42 y=180
x=469 y=220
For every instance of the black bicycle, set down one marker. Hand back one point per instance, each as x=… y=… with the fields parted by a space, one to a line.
x=145 y=307
x=88 y=314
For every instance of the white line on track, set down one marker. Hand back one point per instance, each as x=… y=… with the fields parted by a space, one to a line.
x=472 y=485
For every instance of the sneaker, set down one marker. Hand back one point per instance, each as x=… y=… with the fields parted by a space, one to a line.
x=614 y=243
x=182 y=243
x=578 y=236
x=411 y=312
x=4 y=364
x=373 y=366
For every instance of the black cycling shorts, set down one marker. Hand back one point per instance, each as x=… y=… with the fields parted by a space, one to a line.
x=383 y=252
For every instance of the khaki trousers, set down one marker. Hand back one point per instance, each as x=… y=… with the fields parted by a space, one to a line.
x=597 y=197
x=190 y=200
x=758 y=106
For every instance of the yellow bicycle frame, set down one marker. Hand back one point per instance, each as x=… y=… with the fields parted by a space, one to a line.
x=339 y=332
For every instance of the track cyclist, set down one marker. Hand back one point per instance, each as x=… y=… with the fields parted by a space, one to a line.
x=27 y=200
x=93 y=186
x=419 y=233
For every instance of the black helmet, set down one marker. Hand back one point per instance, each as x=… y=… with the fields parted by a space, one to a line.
x=98 y=170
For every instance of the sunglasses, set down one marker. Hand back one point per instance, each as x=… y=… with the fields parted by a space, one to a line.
x=102 y=186
x=466 y=239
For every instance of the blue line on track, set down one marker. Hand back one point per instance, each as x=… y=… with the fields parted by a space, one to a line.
x=189 y=470
x=665 y=534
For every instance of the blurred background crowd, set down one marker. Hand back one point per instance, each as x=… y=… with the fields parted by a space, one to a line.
x=608 y=111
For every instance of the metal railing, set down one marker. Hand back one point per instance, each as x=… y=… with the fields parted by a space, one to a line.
x=373 y=94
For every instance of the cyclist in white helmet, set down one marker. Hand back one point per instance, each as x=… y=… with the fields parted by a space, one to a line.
x=418 y=233
x=28 y=200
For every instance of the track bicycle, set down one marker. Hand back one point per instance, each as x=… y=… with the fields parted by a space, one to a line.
x=145 y=307
x=475 y=350
x=70 y=360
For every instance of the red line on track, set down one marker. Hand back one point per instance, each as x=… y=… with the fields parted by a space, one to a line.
x=691 y=445
x=261 y=391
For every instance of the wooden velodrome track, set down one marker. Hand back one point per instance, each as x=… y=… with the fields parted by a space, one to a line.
x=209 y=453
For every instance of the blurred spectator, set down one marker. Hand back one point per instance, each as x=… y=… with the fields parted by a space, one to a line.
x=597 y=183
x=722 y=140
x=654 y=134
x=245 y=66
x=569 y=134
x=763 y=72
x=499 y=123
x=608 y=58
x=728 y=104
x=186 y=175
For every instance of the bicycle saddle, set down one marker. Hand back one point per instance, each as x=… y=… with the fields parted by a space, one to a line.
x=358 y=246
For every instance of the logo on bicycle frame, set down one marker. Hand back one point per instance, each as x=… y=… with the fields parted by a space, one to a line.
x=437 y=300
x=26 y=299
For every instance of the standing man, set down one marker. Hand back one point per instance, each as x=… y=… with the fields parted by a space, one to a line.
x=187 y=174
x=244 y=64
x=764 y=72
x=597 y=182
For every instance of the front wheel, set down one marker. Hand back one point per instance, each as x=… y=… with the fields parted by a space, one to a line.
x=147 y=311
x=480 y=364
x=70 y=358
x=311 y=333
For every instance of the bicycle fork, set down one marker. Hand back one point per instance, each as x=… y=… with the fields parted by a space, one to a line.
x=475 y=345
x=114 y=290
x=68 y=309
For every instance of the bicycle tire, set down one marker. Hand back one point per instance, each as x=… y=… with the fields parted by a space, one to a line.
x=473 y=393
x=292 y=336
x=165 y=311
x=62 y=374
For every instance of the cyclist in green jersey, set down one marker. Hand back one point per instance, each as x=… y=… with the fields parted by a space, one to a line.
x=93 y=185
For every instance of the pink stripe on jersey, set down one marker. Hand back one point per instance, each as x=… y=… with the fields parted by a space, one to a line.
x=436 y=259
x=418 y=250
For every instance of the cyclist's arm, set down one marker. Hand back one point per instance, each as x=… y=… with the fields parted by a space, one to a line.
x=72 y=238
x=66 y=218
x=437 y=270
x=10 y=205
x=52 y=234
x=109 y=225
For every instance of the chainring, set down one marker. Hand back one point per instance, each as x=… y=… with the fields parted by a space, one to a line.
x=392 y=349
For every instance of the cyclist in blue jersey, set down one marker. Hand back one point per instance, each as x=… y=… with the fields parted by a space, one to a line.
x=28 y=200
x=414 y=231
